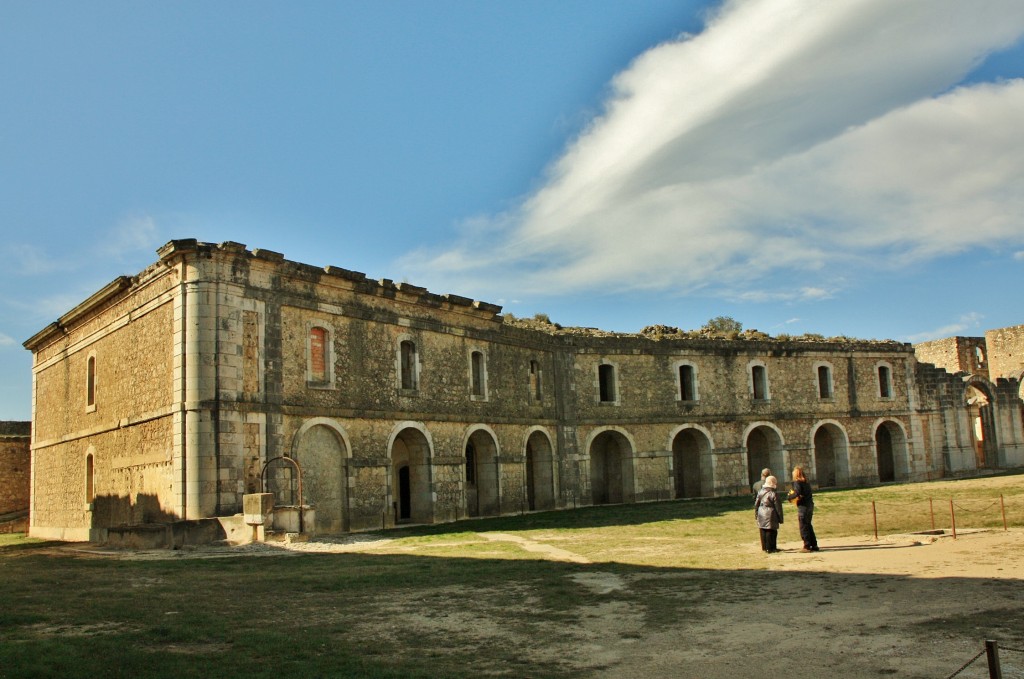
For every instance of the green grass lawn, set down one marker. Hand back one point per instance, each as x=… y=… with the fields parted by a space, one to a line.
x=437 y=601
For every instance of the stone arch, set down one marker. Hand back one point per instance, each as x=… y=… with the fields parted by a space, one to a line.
x=981 y=411
x=831 y=458
x=692 y=461
x=764 y=447
x=540 y=470
x=891 y=453
x=411 y=490
x=483 y=473
x=611 y=466
x=322 y=449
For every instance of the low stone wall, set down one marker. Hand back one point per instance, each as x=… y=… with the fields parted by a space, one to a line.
x=15 y=471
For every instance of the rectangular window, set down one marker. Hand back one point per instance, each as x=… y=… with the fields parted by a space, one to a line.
x=884 y=382
x=759 y=377
x=318 y=355
x=408 y=351
x=477 y=370
x=686 y=390
x=606 y=379
x=824 y=382
x=90 y=382
x=535 y=381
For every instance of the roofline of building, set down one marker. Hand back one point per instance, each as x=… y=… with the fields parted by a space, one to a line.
x=101 y=296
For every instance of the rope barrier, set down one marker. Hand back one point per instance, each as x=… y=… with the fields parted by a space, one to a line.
x=965 y=509
x=966 y=664
x=900 y=504
x=953 y=507
x=991 y=650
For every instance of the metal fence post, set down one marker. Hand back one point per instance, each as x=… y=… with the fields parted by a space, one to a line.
x=874 y=517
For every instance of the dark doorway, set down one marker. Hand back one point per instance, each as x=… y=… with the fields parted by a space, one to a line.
x=691 y=463
x=404 y=494
x=886 y=463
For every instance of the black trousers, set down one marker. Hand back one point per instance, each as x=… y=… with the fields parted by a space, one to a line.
x=805 y=515
x=769 y=539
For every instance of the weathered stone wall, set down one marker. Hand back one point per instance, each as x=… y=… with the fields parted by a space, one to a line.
x=15 y=475
x=206 y=371
x=1006 y=351
x=126 y=429
x=956 y=354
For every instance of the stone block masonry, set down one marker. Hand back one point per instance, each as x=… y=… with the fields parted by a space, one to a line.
x=15 y=475
x=221 y=371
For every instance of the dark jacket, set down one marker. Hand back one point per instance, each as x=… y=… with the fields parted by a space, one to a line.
x=801 y=492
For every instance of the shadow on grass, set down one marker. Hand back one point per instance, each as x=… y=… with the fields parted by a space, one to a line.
x=600 y=516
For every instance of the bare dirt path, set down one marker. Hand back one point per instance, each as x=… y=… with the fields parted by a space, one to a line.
x=906 y=605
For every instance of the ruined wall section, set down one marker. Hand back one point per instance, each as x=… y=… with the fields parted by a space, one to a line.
x=15 y=475
x=1006 y=352
x=943 y=407
x=956 y=354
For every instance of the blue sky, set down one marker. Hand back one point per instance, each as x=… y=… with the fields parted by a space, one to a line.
x=852 y=168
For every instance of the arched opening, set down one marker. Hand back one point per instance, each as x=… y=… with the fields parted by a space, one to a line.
x=983 y=425
x=322 y=453
x=482 y=475
x=691 y=464
x=831 y=457
x=764 y=450
x=611 y=469
x=891 y=453
x=540 y=476
x=411 y=495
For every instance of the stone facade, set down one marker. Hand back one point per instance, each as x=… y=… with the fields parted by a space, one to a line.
x=1006 y=347
x=956 y=354
x=219 y=371
x=15 y=476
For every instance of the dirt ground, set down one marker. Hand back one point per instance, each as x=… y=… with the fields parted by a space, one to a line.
x=906 y=605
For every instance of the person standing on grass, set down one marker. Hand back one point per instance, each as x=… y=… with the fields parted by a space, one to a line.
x=765 y=473
x=802 y=496
x=768 y=511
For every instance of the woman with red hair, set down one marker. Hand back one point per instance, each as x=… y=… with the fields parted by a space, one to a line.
x=802 y=496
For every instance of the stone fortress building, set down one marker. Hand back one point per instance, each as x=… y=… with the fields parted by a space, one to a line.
x=221 y=371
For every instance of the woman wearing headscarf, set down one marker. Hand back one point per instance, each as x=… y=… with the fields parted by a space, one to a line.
x=768 y=510
x=802 y=496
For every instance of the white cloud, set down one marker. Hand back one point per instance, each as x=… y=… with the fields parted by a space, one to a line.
x=966 y=322
x=790 y=135
x=6 y=340
x=28 y=260
x=1019 y=256
x=129 y=236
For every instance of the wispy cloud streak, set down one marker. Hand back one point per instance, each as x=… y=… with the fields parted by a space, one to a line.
x=821 y=139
